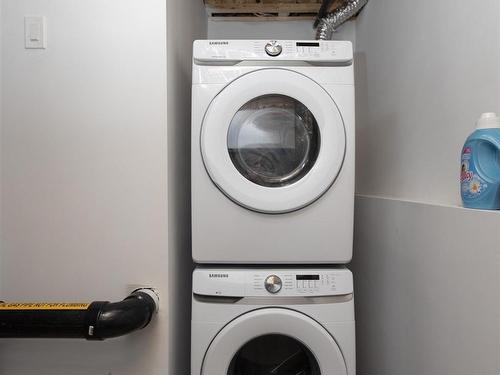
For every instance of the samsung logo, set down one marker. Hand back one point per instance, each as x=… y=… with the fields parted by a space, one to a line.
x=218 y=275
x=219 y=43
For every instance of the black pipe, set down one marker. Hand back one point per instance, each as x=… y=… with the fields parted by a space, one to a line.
x=94 y=321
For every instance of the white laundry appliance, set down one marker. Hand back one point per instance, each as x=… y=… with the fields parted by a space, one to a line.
x=272 y=151
x=272 y=321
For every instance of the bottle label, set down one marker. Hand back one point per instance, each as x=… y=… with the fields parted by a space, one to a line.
x=472 y=185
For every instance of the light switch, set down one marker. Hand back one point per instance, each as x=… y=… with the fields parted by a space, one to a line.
x=35 y=32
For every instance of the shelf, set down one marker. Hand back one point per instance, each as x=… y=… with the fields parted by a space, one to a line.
x=264 y=10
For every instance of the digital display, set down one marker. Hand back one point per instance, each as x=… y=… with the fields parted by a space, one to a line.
x=307 y=44
x=307 y=277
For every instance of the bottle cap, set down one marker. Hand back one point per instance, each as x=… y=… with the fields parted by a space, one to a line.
x=488 y=120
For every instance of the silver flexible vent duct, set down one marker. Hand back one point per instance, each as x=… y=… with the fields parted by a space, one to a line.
x=339 y=16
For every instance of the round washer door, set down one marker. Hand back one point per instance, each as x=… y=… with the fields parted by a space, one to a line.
x=273 y=341
x=273 y=141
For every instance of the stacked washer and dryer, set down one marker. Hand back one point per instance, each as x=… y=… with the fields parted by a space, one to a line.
x=272 y=207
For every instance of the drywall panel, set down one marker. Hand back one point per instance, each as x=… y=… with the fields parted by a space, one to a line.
x=425 y=72
x=272 y=30
x=186 y=21
x=260 y=30
x=84 y=174
x=1 y=116
x=427 y=289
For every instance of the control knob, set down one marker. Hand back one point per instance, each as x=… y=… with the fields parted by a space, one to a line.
x=273 y=48
x=273 y=284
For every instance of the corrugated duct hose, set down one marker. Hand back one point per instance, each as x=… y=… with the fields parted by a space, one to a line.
x=327 y=24
x=91 y=321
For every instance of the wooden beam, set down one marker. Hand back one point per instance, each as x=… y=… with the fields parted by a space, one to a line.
x=265 y=8
x=260 y=19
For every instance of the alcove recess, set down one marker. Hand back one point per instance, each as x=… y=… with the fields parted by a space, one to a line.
x=266 y=10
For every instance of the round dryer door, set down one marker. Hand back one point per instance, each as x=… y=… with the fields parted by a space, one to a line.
x=273 y=341
x=273 y=140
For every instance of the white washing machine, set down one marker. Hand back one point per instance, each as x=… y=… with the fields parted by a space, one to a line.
x=265 y=321
x=272 y=151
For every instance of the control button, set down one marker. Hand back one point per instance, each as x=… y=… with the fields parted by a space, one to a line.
x=273 y=284
x=273 y=48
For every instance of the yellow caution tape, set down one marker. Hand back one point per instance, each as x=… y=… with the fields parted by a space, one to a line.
x=44 y=306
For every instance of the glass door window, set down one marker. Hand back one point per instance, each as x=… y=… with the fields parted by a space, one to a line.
x=273 y=140
x=274 y=355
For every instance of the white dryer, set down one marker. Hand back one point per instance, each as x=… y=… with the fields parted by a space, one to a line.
x=273 y=321
x=272 y=151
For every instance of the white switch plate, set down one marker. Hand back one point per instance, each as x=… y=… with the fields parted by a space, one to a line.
x=35 y=32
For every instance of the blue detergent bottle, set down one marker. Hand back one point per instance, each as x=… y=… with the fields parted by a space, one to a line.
x=480 y=169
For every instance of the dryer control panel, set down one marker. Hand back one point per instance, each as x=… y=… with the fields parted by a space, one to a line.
x=262 y=282
x=214 y=52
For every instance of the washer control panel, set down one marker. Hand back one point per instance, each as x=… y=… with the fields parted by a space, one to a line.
x=234 y=51
x=262 y=282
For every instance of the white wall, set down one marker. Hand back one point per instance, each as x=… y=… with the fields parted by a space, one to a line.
x=186 y=21
x=84 y=171
x=425 y=72
x=427 y=281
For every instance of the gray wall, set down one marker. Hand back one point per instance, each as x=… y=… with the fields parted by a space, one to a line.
x=425 y=70
x=1 y=132
x=426 y=271
x=427 y=289
x=186 y=21
x=84 y=174
x=272 y=30
x=260 y=30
